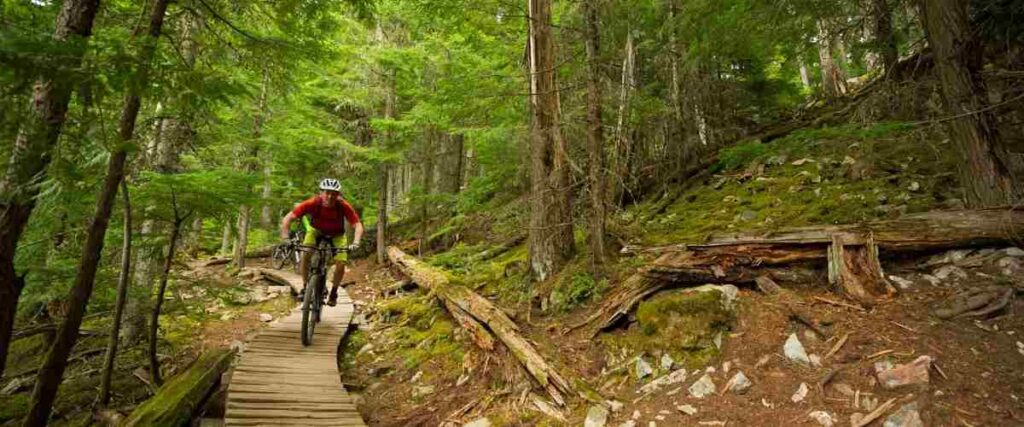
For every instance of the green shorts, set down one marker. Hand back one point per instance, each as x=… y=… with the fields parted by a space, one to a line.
x=339 y=241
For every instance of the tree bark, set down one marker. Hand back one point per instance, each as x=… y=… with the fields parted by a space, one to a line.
x=266 y=222
x=245 y=211
x=551 y=238
x=52 y=371
x=805 y=76
x=154 y=321
x=382 y=213
x=225 y=239
x=483 y=319
x=885 y=39
x=595 y=139
x=833 y=80
x=123 y=283
x=988 y=173
x=623 y=145
x=31 y=153
x=427 y=173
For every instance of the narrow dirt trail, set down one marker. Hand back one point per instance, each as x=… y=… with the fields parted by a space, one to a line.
x=278 y=381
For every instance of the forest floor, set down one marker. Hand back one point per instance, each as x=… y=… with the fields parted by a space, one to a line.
x=415 y=365
x=977 y=376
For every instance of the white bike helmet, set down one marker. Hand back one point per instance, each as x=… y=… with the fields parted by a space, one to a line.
x=330 y=184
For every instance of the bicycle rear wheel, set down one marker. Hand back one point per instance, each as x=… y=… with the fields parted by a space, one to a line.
x=309 y=305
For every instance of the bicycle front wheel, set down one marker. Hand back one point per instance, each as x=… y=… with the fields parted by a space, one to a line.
x=279 y=257
x=309 y=306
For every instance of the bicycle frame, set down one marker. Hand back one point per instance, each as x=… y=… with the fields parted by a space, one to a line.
x=316 y=285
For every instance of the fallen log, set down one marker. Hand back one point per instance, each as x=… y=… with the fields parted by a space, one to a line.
x=497 y=251
x=483 y=320
x=852 y=252
x=175 y=403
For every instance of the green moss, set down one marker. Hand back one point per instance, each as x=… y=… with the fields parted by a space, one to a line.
x=682 y=323
x=825 y=176
x=426 y=336
x=14 y=407
x=576 y=289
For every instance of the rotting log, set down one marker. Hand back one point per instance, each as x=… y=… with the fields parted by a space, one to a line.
x=743 y=257
x=483 y=319
x=178 y=399
x=497 y=251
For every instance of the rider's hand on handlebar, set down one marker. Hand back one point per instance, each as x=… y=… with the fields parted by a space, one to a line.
x=352 y=247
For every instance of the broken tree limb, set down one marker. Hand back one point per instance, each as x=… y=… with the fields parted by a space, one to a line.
x=481 y=315
x=740 y=258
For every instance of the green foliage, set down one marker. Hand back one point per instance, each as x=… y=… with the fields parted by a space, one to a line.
x=575 y=290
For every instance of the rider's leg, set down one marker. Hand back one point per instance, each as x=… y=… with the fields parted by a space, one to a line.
x=339 y=268
x=308 y=240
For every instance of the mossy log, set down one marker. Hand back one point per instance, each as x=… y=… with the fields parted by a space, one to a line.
x=179 y=398
x=852 y=252
x=498 y=250
x=483 y=319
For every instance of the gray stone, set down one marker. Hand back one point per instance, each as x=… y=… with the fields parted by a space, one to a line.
x=614 y=405
x=906 y=416
x=901 y=282
x=628 y=423
x=266 y=317
x=667 y=362
x=915 y=372
x=642 y=369
x=597 y=416
x=801 y=393
x=703 y=387
x=823 y=418
x=687 y=409
x=423 y=390
x=482 y=422
x=674 y=377
x=950 y=272
x=794 y=350
x=739 y=383
x=748 y=215
x=1014 y=252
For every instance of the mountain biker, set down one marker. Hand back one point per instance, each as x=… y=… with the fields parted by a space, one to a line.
x=327 y=213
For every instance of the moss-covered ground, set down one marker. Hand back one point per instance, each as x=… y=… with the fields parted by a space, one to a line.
x=824 y=176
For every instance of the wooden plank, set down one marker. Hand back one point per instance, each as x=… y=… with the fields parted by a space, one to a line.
x=278 y=381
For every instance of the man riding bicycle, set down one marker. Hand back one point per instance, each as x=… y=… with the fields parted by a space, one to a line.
x=327 y=213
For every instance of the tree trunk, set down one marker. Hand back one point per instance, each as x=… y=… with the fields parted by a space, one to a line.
x=31 y=153
x=52 y=371
x=551 y=237
x=805 y=76
x=245 y=211
x=595 y=139
x=154 y=321
x=885 y=39
x=122 y=293
x=225 y=240
x=179 y=400
x=988 y=174
x=266 y=221
x=382 y=213
x=428 y=179
x=623 y=145
x=833 y=81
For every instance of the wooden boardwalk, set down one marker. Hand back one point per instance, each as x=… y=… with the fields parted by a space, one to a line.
x=278 y=381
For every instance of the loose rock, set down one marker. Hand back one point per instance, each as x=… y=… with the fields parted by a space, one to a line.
x=915 y=372
x=739 y=383
x=614 y=405
x=703 y=387
x=423 y=390
x=675 y=377
x=597 y=416
x=906 y=416
x=794 y=350
x=667 y=362
x=266 y=317
x=801 y=393
x=482 y=422
x=687 y=409
x=823 y=418
x=642 y=369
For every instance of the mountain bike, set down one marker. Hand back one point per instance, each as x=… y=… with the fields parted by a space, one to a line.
x=287 y=253
x=316 y=285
